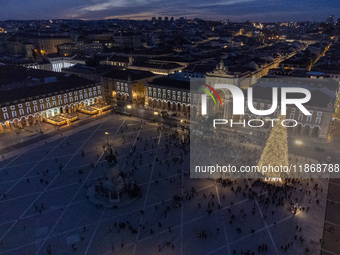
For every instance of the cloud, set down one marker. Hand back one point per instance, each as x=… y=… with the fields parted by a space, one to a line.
x=238 y=10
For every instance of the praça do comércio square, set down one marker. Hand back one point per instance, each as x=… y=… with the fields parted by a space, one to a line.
x=47 y=206
x=169 y=127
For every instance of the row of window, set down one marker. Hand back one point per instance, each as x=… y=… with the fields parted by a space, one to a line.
x=308 y=118
x=171 y=95
x=278 y=107
x=48 y=105
x=12 y=107
x=300 y=117
x=121 y=88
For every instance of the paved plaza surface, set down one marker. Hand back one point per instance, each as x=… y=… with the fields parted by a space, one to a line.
x=44 y=208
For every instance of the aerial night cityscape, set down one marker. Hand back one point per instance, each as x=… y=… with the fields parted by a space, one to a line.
x=180 y=128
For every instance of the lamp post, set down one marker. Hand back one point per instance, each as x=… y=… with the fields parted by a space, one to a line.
x=107 y=138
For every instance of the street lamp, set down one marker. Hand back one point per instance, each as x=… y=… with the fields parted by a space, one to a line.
x=107 y=138
x=298 y=142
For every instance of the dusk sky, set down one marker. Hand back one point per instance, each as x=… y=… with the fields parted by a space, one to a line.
x=235 y=10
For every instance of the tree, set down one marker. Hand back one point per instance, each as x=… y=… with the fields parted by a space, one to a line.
x=275 y=153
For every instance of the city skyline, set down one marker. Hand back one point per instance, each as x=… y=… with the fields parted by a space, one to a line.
x=253 y=10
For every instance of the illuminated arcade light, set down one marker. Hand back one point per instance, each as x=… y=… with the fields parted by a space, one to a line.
x=298 y=142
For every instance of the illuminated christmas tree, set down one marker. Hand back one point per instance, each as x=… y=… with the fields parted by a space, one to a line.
x=275 y=153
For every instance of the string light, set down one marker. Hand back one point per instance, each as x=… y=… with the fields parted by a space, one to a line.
x=275 y=153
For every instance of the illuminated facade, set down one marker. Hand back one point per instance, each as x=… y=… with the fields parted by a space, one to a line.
x=126 y=85
x=170 y=94
x=34 y=96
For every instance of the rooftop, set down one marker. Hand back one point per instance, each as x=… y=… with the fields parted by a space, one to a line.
x=126 y=74
x=172 y=83
x=18 y=83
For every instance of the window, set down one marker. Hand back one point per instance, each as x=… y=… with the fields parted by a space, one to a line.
x=318 y=120
x=6 y=116
x=35 y=108
x=4 y=109
x=300 y=118
x=14 y=114
x=27 y=104
x=54 y=103
x=150 y=93
x=76 y=98
x=60 y=102
x=292 y=110
x=28 y=109
x=292 y=116
x=20 y=105
x=319 y=114
x=42 y=107
x=48 y=105
x=65 y=100
x=21 y=112
x=41 y=101
x=12 y=107
x=309 y=117
x=90 y=94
